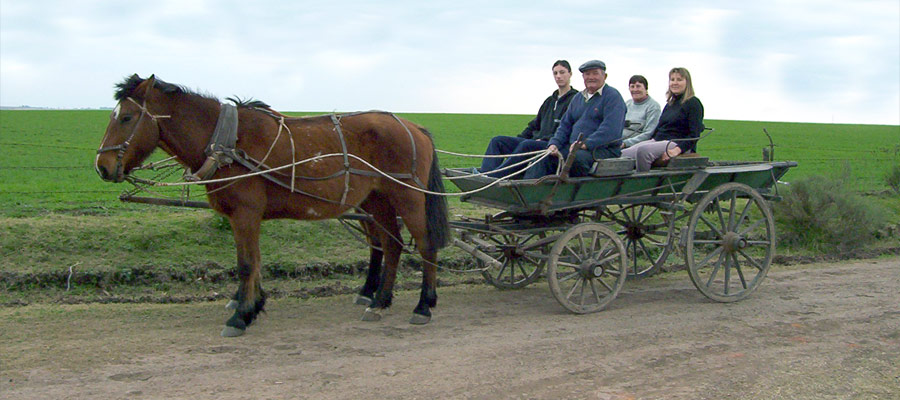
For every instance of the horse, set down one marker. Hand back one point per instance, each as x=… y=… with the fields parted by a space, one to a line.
x=308 y=168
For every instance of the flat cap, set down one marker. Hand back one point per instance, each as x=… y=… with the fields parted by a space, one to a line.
x=593 y=64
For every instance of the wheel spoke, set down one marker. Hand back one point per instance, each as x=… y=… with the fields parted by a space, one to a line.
x=574 y=254
x=710 y=225
x=650 y=214
x=572 y=290
x=737 y=267
x=752 y=261
x=567 y=277
x=752 y=227
x=743 y=215
x=606 y=285
x=512 y=271
x=594 y=290
x=715 y=270
x=709 y=256
x=724 y=228
x=645 y=251
x=730 y=227
x=727 y=272
x=503 y=268
x=594 y=242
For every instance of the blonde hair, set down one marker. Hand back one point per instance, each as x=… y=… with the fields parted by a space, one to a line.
x=688 y=87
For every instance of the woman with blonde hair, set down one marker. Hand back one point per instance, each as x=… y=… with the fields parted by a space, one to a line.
x=680 y=124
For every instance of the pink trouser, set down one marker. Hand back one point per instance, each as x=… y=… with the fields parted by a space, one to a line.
x=646 y=152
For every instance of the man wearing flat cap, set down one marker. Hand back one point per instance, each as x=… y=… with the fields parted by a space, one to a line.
x=598 y=113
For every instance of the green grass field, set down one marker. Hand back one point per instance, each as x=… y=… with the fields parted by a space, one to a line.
x=46 y=156
x=56 y=213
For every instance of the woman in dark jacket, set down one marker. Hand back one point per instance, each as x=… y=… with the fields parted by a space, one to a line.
x=681 y=118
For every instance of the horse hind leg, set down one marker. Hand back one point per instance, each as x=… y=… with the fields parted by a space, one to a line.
x=388 y=230
x=428 y=295
x=373 y=278
x=415 y=219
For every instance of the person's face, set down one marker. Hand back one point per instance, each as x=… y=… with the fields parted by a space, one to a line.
x=561 y=75
x=638 y=91
x=677 y=83
x=593 y=79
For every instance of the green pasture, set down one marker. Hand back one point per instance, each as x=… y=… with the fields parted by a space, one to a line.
x=56 y=215
x=46 y=156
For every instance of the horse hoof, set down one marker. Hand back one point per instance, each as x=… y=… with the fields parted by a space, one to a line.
x=363 y=300
x=232 y=305
x=372 y=314
x=231 y=331
x=419 y=319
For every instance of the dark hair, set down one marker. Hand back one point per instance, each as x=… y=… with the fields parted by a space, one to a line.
x=639 y=78
x=564 y=63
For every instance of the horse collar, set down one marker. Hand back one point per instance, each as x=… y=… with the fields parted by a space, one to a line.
x=221 y=149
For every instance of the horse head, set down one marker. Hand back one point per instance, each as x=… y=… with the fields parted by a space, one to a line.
x=133 y=130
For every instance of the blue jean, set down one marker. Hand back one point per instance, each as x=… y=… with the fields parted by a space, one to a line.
x=584 y=160
x=501 y=145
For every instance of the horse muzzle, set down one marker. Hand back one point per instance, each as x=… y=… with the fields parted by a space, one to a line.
x=115 y=176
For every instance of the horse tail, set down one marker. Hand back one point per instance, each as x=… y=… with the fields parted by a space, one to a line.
x=437 y=216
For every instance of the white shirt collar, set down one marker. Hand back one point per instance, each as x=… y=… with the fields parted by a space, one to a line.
x=599 y=92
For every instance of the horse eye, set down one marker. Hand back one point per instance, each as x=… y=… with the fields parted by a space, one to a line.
x=126 y=118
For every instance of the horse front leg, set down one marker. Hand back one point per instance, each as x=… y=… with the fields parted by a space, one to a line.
x=249 y=299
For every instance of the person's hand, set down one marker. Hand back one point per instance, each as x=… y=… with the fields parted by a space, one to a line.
x=623 y=145
x=553 y=150
x=673 y=152
x=572 y=147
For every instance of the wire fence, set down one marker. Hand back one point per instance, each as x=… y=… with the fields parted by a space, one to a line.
x=861 y=157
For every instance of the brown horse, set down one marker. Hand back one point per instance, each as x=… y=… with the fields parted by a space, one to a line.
x=154 y=113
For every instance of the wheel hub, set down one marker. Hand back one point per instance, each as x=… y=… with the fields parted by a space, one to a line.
x=591 y=269
x=634 y=232
x=734 y=242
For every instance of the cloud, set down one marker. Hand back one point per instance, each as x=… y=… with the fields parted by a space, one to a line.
x=769 y=60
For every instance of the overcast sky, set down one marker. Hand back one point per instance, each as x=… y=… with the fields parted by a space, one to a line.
x=768 y=60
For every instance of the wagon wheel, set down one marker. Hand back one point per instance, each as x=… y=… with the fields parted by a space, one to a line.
x=731 y=232
x=522 y=257
x=587 y=268
x=648 y=233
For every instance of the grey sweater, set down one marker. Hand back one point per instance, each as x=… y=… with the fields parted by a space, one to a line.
x=640 y=120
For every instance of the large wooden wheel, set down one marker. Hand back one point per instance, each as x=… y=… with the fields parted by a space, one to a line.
x=522 y=256
x=587 y=268
x=648 y=234
x=730 y=242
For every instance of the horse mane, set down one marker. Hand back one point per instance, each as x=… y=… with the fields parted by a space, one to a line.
x=256 y=105
x=247 y=103
x=127 y=87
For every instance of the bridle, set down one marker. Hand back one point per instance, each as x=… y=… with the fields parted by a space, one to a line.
x=122 y=147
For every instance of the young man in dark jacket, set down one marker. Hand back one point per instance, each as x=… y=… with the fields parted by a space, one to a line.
x=597 y=115
x=539 y=130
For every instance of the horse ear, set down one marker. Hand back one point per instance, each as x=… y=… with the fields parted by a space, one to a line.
x=151 y=81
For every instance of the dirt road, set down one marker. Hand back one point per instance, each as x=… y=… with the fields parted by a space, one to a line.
x=815 y=331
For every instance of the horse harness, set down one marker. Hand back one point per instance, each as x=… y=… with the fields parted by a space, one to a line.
x=222 y=151
x=122 y=147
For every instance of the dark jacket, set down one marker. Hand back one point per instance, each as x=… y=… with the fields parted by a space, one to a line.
x=544 y=125
x=601 y=120
x=681 y=121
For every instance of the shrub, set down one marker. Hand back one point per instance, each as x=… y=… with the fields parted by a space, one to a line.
x=823 y=215
x=893 y=179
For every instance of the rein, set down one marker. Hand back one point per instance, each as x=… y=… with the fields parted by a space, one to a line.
x=222 y=151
